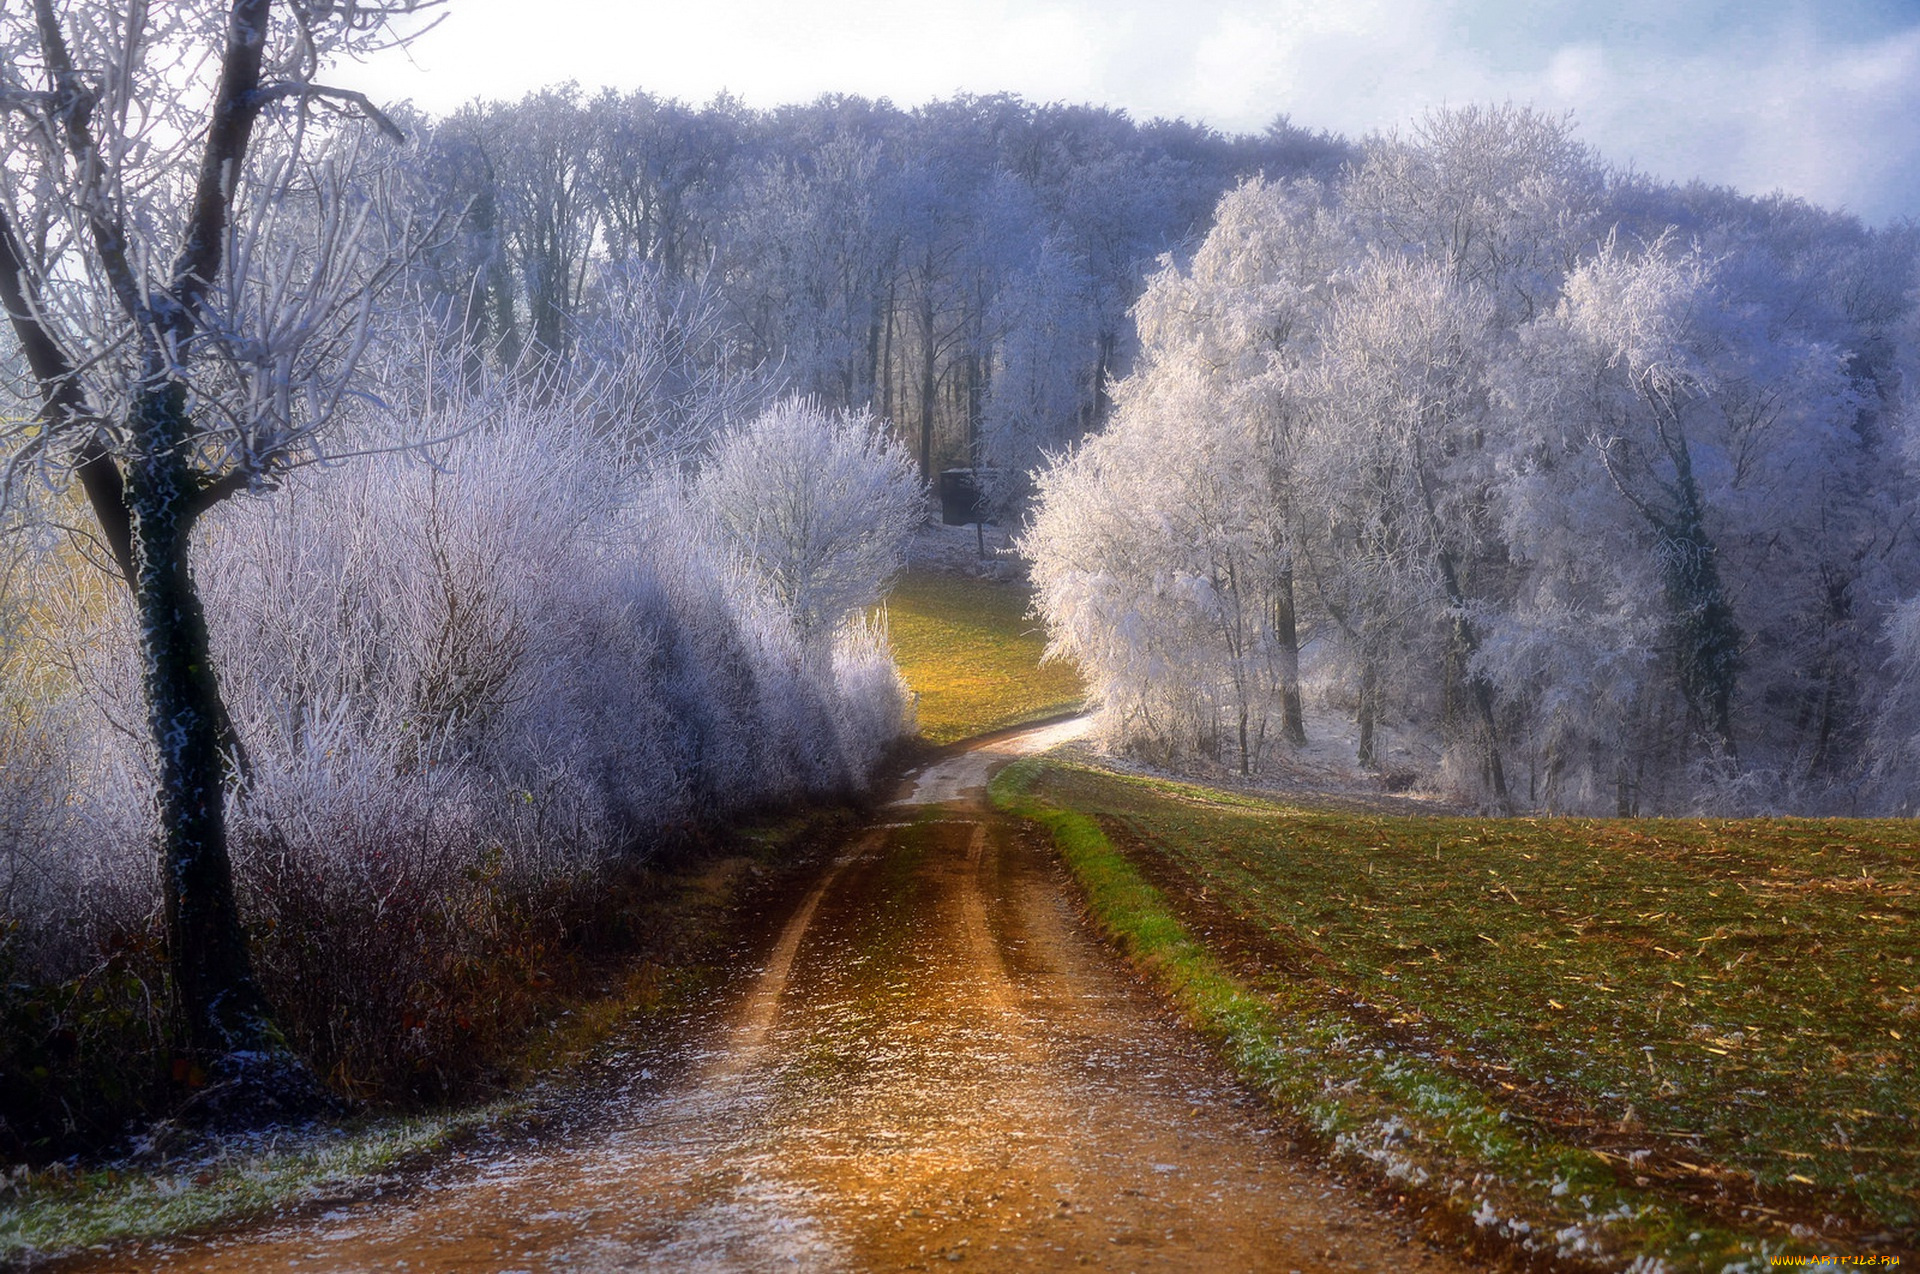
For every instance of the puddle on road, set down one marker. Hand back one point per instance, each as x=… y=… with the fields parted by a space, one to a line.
x=938 y=1065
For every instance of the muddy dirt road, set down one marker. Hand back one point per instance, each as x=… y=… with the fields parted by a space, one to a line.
x=938 y=1065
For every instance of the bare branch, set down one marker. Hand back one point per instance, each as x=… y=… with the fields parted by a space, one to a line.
x=228 y=134
x=321 y=92
x=28 y=101
x=72 y=106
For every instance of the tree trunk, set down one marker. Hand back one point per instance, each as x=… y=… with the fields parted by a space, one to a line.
x=1287 y=634
x=928 y=385
x=1708 y=649
x=1365 y=753
x=1108 y=344
x=885 y=371
x=223 y=1010
x=1465 y=645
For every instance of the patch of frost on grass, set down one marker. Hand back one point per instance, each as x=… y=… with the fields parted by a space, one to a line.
x=223 y=1182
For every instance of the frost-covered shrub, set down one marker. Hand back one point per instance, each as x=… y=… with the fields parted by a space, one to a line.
x=875 y=707
x=529 y=614
x=464 y=689
x=816 y=508
x=74 y=820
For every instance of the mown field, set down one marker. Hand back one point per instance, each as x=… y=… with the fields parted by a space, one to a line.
x=1708 y=1029
x=972 y=656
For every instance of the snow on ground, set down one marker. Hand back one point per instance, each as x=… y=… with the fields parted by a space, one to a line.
x=957 y=550
x=1324 y=772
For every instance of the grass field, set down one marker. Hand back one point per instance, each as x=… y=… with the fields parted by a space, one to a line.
x=1696 y=1026
x=972 y=656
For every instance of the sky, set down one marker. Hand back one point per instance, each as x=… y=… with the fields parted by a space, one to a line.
x=1819 y=98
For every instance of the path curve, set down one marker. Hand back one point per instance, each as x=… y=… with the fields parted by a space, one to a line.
x=938 y=1064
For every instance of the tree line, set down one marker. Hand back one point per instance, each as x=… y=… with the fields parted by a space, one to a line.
x=964 y=269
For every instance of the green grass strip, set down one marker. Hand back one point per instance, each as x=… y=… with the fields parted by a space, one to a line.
x=1400 y=1119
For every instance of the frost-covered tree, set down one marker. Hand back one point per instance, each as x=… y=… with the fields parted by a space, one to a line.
x=549 y=211
x=1165 y=550
x=815 y=238
x=1503 y=197
x=1611 y=527
x=1154 y=570
x=1391 y=452
x=1045 y=362
x=187 y=260
x=1686 y=467
x=816 y=508
x=657 y=168
x=659 y=365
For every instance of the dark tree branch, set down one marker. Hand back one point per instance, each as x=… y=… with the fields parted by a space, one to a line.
x=230 y=483
x=29 y=101
x=228 y=133
x=62 y=404
x=280 y=92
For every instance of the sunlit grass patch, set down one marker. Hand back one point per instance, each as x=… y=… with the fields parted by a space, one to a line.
x=1713 y=1017
x=971 y=654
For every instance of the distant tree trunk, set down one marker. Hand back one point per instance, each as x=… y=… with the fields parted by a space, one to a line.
x=1708 y=650
x=473 y=318
x=873 y=368
x=976 y=405
x=928 y=382
x=1466 y=643
x=1364 y=717
x=1707 y=637
x=1102 y=368
x=213 y=978
x=886 y=356
x=500 y=286
x=1287 y=637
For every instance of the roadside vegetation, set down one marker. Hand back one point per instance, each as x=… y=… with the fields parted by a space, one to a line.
x=1688 y=1040
x=972 y=657
x=660 y=938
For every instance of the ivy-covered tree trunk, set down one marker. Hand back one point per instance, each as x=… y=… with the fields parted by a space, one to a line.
x=1464 y=644
x=222 y=1009
x=1707 y=648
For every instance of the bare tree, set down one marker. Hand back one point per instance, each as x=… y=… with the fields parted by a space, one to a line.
x=189 y=271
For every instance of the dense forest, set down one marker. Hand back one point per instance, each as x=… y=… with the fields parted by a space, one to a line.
x=1589 y=490
x=965 y=269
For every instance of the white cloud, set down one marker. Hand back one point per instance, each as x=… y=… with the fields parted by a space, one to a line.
x=1836 y=124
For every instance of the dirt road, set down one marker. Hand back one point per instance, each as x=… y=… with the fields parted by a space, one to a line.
x=938 y=1065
